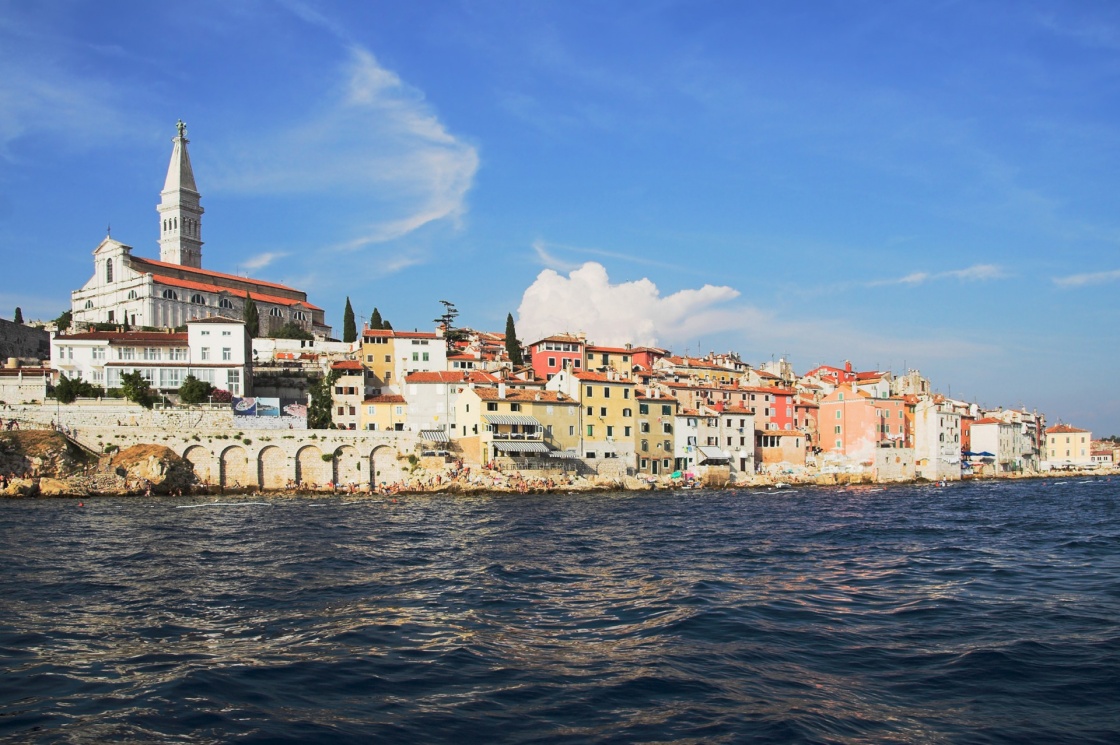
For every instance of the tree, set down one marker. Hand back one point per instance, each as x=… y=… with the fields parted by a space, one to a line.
x=290 y=330
x=375 y=321
x=194 y=391
x=252 y=318
x=513 y=347
x=320 y=408
x=386 y=326
x=136 y=389
x=63 y=321
x=69 y=389
x=18 y=318
x=349 y=328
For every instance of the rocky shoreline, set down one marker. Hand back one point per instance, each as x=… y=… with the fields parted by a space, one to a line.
x=47 y=464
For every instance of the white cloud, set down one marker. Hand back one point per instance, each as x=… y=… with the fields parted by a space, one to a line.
x=1092 y=278
x=260 y=261
x=975 y=273
x=373 y=142
x=634 y=312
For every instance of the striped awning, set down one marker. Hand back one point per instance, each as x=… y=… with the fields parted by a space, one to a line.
x=434 y=435
x=563 y=454
x=520 y=447
x=510 y=419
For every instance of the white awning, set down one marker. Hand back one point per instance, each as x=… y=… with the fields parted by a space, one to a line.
x=520 y=447
x=711 y=453
x=434 y=435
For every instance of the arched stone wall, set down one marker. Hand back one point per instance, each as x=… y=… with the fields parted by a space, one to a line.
x=202 y=462
x=347 y=465
x=235 y=467
x=384 y=467
x=311 y=469
x=272 y=468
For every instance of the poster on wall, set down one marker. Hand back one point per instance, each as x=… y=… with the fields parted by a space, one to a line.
x=293 y=407
x=268 y=407
x=244 y=406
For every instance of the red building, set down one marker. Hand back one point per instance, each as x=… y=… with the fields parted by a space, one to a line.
x=553 y=353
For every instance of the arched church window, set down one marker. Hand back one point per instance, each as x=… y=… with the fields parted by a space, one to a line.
x=170 y=295
x=275 y=312
x=225 y=303
x=89 y=304
x=108 y=270
x=197 y=299
x=132 y=294
x=175 y=223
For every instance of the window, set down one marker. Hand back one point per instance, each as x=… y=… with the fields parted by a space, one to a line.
x=610 y=431
x=89 y=304
x=151 y=353
x=98 y=353
x=626 y=393
x=666 y=410
x=666 y=428
x=132 y=294
x=233 y=377
x=275 y=312
x=227 y=333
x=491 y=406
x=552 y=362
x=227 y=354
x=125 y=353
x=837 y=429
x=425 y=357
x=627 y=413
x=603 y=411
x=643 y=427
x=415 y=356
x=590 y=391
x=838 y=413
x=225 y=303
x=170 y=295
x=108 y=270
x=388 y=358
x=515 y=407
x=205 y=352
x=606 y=392
x=643 y=408
x=591 y=430
x=197 y=299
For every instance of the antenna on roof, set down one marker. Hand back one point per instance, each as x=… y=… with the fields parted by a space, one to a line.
x=109 y=230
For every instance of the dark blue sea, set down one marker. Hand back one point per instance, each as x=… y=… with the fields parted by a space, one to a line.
x=974 y=613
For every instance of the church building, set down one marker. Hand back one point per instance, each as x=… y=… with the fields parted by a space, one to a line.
x=138 y=292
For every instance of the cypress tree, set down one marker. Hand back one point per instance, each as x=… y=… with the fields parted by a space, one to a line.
x=375 y=321
x=349 y=328
x=513 y=348
x=19 y=315
x=252 y=317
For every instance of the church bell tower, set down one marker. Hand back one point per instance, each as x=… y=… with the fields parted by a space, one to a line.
x=180 y=211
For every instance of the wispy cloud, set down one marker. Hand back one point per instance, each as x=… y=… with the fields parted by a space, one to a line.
x=549 y=258
x=976 y=273
x=260 y=261
x=373 y=142
x=1092 y=278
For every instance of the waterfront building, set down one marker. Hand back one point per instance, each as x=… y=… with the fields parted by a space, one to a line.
x=527 y=426
x=937 y=439
x=1004 y=440
x=687 y=430
x=26 y=384
x=608 y=403
x=216 y=350
x=855 y=428
x=654 y=438
x=432 y=397
x=138 y=292
x=1068 y=447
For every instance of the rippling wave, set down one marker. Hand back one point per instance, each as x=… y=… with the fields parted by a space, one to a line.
x=981 y=612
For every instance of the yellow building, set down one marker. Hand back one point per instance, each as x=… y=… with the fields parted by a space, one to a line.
x=391 y=355
x=492 y=423
x=619 y=359
x=654 y=438
x=388 y=412
x=607 y=412
x=1068 y=447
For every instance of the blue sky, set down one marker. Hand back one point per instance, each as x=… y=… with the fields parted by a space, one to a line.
x=903 y=185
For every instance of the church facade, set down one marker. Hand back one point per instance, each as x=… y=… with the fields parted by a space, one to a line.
x=139 y=292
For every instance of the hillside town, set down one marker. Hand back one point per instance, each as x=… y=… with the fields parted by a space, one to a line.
x=384 y=406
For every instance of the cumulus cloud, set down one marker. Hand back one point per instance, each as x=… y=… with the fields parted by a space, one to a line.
x=614 y=314
x=1093 y=278
x=975 y=273
x=374 y=141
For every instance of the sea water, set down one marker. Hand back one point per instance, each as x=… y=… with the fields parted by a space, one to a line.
x=977 y=612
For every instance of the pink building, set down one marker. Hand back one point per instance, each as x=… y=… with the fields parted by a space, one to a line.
x=553 y=353
x=854 y=425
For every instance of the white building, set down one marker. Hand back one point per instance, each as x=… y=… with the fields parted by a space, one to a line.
x=138 y=292
x=216 y=350
x=937 y=440
x=1004 y=440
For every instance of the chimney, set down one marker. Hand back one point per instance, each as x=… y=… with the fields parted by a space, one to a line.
x=501 y=390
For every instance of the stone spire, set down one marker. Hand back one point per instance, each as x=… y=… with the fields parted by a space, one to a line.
x=180 y=211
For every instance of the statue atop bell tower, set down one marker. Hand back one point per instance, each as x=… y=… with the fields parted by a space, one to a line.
x=180 y=210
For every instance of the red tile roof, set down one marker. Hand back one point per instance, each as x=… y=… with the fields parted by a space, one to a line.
x=521 y=395
x=204 y=287
x=139 y=264
x=1063 y=429
x=438 y=376
x=347 y=365
x=387 y=399
x=128 y=337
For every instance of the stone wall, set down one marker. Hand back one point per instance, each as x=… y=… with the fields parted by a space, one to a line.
x=17 y=340
x=894 y=464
